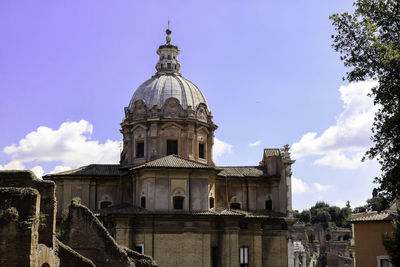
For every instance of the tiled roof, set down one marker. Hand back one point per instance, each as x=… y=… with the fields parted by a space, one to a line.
x=173 y=161
x=245 y=171
x=373 y=216
x=268 y=152
x=126 y=208
x=91 y=170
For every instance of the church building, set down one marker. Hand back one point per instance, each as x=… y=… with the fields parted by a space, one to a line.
x=167 y=198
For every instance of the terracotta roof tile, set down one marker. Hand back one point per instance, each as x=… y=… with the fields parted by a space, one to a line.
x=173 y=161
x=373 y=216
x=91 y=170
x=243 y=171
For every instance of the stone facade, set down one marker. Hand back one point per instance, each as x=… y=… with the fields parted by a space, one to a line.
x=167 y=198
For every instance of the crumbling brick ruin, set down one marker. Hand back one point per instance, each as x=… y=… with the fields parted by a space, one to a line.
x=27 y=229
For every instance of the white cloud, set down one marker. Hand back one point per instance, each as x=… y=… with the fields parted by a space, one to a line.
x=256 y=143
x=300 y=187
x=322 y=188
x=220 y=148
x=340 y=203
x=13 y=165
x=60 y=168
x=70 y=144
x=38 y=171
x=343 y=144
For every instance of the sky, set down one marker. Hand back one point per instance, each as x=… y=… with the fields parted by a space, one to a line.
x=266 y=68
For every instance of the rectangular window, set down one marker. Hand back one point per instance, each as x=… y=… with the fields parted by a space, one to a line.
x=140 y=149
x=244 y=257
x=201 y=151
x=143 y=202
x=139 y=248
x=214 y=256
x=383 y=261
x=172 y=147
x=178 y=202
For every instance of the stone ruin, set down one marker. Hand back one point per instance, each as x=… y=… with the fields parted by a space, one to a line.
x=28 y=229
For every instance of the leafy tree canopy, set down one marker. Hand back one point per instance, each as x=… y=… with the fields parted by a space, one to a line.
x=369 y=44
x=327 y=216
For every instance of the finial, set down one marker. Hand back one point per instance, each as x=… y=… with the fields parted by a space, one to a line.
x=168 y=32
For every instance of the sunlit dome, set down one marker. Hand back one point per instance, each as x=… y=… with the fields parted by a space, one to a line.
x=168 y=82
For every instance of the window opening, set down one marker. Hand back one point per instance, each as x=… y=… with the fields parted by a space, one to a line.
x=139 y=248
x=172 y=147
x=168 y=65
x=169 y=56
x=244 y=257
x=201 y=151
x=268 y=204
x=143 y=202
x=178 y=202
x=140 y=149
x=235 y=206
x=211 y=202
x=214 y=256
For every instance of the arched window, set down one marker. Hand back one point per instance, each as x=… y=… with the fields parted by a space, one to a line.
x=328 y=237
x=235 y=206
x=143 y=202
x=211 y=202
x=268 y=203
x=178 y=202
x=45 y=264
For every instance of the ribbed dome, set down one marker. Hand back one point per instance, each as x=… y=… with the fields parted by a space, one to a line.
x=159 y=88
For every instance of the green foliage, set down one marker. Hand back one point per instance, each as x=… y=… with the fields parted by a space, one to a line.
x=328 y=216
x=63 y=224
x=296 y=214
x=377 y=204
x=305 y=216
x=42 y=219
x=369 y=43
x=392 y=243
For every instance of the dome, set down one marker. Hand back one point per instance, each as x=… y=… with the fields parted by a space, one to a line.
x=167 y=83
x=155 y=91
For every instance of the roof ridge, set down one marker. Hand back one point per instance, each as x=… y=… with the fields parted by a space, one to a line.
x=239 y=166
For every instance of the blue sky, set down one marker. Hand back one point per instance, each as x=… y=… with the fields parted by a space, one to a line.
x=266 y=68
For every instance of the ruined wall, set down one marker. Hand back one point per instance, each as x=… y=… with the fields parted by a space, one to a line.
x=19 y=225
x=86 y=235
x=46 y=189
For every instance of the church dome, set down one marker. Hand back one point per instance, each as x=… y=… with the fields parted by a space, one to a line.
x=156 y=90
x=167 y=83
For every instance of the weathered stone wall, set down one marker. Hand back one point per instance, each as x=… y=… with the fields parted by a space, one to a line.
x=70 y=258
x=19 y=225
x=86 y=235
x=24 y=179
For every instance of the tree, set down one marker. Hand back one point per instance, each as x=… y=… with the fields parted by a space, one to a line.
x=392 y=244
x=369 y=43
x=377 y=204
x=305 y=216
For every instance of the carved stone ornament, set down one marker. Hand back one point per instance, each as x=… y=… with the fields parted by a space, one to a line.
x=201 y=113
x=172 y=108
x=140 y=110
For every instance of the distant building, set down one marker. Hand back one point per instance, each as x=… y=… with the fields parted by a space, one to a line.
x=167 y=198
x=368 y=229
x=314 y=246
